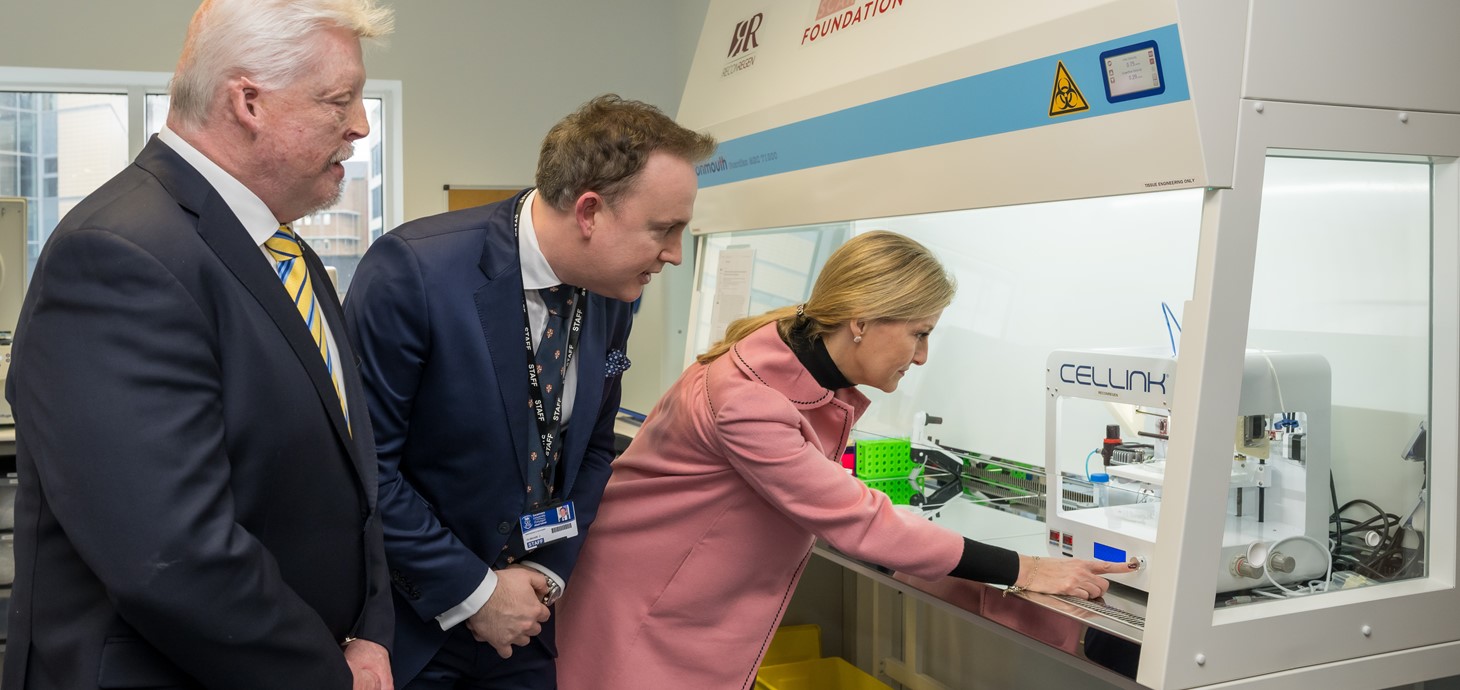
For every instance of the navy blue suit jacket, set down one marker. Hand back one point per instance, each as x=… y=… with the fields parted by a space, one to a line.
x=435 y=311
x=192 y=511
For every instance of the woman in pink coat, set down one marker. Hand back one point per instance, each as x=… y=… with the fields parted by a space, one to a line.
x=712 y=511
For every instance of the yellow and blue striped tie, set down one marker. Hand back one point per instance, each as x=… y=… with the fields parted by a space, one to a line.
x=283 y=245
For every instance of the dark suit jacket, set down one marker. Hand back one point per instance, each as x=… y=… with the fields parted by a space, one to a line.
x=192 y=509
x=435 y=311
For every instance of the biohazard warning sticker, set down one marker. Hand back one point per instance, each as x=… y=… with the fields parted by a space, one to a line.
x=1066 y=97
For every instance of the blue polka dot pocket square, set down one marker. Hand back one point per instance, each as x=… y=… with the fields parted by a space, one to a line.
x=617 y=363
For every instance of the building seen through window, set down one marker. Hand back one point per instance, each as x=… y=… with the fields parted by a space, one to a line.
x=55 y=148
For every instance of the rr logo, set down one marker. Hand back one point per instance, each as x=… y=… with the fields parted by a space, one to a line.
x=744 y=37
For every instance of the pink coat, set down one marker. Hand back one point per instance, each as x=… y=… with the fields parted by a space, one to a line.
x=708 y=521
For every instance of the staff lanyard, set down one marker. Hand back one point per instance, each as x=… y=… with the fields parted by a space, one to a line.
x=547 y=428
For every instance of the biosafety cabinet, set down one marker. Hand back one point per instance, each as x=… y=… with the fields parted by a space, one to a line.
x=1208 y=317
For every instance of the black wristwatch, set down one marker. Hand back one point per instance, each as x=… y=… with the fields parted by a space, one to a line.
x=554 y=591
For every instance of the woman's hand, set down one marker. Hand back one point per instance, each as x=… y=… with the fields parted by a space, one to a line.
x=1069 y=576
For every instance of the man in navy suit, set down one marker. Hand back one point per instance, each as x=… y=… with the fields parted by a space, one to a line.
x=197 y=483
x=494 y=449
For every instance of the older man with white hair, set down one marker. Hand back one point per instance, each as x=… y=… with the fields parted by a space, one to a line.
x=197 y=474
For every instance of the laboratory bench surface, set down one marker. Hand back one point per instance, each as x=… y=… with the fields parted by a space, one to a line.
x=1086 y=636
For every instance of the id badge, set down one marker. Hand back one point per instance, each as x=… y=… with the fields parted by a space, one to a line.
x=554 y=524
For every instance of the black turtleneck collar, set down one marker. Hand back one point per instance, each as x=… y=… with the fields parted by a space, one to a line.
x=813 y=355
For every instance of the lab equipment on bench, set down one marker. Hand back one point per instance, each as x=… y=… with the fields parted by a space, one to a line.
x=1279 y=463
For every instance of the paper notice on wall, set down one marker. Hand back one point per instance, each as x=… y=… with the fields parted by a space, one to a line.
x=732 y=289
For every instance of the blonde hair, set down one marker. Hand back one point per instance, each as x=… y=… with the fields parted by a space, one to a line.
x=268 y=41
x=878 y=276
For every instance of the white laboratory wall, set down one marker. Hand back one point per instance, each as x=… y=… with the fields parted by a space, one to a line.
x=485 y=80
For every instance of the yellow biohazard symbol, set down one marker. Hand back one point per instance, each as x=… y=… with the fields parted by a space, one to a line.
x=1066 y=98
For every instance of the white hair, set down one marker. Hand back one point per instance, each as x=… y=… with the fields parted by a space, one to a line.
x=269 y=41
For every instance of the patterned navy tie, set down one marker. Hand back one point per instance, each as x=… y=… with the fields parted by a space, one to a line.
x=552 y=368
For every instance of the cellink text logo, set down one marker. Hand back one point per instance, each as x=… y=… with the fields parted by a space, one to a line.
x=1129 y=380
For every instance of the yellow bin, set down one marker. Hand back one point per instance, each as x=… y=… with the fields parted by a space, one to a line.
x=793 y=643
x=830 y=673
